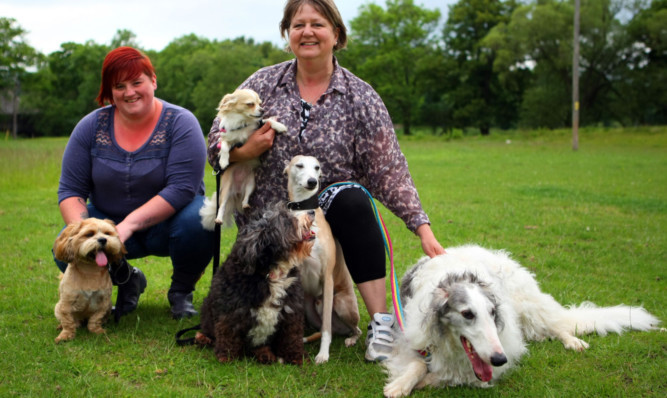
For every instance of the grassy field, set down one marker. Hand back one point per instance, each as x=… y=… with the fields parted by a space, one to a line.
x=591 y=224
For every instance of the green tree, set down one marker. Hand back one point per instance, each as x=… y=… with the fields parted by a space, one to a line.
x=124 y=37
x=196 y=73
x=224 y=69
x=644 y=89
x=391 y=49
x=177 y=74
x=477 y=97
x=539 y=38
x=66 y=85
x=15 y=56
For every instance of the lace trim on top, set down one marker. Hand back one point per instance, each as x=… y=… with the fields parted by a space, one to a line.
x=159 y=138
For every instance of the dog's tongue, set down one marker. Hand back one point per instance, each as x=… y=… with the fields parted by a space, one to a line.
x=482 y=370
x=101 y=259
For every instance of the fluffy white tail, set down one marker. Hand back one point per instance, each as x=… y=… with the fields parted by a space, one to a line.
x=208 y=212
x=588 y=318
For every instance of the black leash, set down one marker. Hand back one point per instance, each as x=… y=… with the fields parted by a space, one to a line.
x=217 y=228
x=216 y=263
x=188 y=341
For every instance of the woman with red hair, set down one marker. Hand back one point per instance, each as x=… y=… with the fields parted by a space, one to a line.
x=139 y=161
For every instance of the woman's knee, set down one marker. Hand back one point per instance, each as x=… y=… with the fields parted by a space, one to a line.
x=187 y=231
x=351 y=204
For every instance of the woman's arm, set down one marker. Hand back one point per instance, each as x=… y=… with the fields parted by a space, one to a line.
x=430 y=244
x=73 y=209
x=150 y=213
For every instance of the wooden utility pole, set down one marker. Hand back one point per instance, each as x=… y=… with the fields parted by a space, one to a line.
x=575 y=79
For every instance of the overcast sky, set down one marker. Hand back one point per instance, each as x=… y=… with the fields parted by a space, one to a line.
x=157 y=22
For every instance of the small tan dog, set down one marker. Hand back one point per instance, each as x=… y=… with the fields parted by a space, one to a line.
x=88 y=247
x=330 y=300
x=240 y=114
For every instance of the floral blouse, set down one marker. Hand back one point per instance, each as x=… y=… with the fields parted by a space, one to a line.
x=348 y=130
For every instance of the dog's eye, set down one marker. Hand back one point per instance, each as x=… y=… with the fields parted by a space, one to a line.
x=317 y=168
x=250 y=104
x=90 y=234
x=299 y=166
x=493 y=312
x=467 y=314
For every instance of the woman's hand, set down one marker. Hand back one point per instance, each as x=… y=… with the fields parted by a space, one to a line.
x=259 y=142
x=124 y=231
x=150 y=213
x=430 y=244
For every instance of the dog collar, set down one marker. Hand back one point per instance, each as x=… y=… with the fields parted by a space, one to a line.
x=308 y=204
x=223 y=129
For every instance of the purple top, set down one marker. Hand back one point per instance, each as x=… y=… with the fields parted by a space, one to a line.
x=349 y=131
x=170 y=164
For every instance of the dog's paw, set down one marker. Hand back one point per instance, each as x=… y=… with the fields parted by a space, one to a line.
x=246 y=206
x=202 y=340
x=352 y=340
x=264 y=355
x=321 y=358
x=218 y=221
x=224 y=358
x=65 y=335
x=574 y=343
x=292 y=360
x=277 y=126
x=97 y=330
x=396 y=389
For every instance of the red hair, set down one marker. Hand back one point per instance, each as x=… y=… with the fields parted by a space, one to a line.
x=120 y=64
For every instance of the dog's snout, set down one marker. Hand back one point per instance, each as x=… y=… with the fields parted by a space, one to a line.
x=102 y=241
x=311 y=183
x=498 y=359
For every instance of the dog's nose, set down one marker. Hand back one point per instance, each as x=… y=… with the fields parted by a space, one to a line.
x=311 y=214
x=498 y=359
x=102 y=241
x=311 y=183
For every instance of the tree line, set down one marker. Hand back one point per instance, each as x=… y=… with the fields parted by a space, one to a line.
x=491 y=64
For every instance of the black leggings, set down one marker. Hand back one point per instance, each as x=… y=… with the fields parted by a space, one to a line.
x=353 y=224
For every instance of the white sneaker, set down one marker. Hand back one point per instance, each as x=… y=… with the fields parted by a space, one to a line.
x=380 y=337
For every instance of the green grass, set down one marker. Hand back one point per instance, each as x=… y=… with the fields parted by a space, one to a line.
x=590 y=224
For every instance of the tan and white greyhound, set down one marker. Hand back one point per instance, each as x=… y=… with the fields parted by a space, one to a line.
x=330 y=300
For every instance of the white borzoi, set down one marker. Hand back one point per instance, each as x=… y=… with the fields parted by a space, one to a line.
x=473 y=306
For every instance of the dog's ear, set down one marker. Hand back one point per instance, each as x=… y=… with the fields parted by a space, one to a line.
x=226 y=101
x=263 y=254
x=440 y=295
x=437 y=307
x=63 y=249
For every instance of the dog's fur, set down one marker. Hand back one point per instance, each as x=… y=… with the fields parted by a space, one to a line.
x=240 y=114
x=88 y=247
x=255 y=305
x=474 y=309
x=330 y=300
